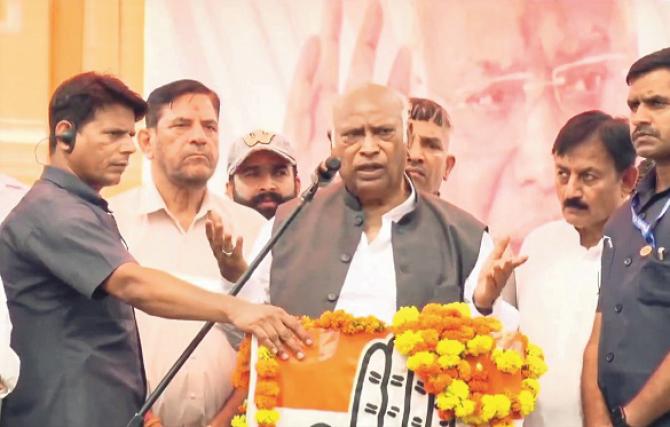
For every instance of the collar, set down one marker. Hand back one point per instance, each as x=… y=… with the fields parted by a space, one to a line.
x=151 y=201
x=396 y=213
x=646 y=190
x=73 y=184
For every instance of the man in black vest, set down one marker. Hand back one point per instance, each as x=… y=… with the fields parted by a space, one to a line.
x=626 y=373
x=371 y=243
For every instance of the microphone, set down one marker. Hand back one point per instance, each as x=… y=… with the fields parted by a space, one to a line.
x=326 y=170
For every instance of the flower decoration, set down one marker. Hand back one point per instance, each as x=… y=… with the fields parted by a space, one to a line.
x=455 y=355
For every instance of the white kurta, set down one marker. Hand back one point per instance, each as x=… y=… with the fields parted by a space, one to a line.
x=557 y=294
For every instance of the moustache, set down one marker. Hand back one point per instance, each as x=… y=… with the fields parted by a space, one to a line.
x=644 y=130
x=269 y=195
x=575 y=203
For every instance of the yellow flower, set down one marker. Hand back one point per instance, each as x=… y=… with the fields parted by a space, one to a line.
x=264 y=353
x=459 y=389
x=421 y=358
x=526 y=401
x=507 y=360
x=479 y=345
x=488 y=409
x=503 y=405
x=532 y=385
x=405 y=315
x=448 y=361
x=465 y=408
x=536 y=366
x=267 y=416
x=503 y=424
x=534 y=350
x=239 y=421
x=406 y=341
x=446 y=401
x=449 y=347
x=461 y=307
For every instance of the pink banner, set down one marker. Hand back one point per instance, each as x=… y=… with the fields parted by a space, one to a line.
x=509 y=72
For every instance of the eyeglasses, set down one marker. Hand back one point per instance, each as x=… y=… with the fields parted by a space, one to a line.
x=576 y=86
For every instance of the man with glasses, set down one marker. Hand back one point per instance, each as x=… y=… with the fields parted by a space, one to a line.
x=545 y=62
x=262 y=172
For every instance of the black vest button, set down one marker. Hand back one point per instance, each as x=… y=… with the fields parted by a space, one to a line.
x=345 y=258
x=609 y=357
x=358 y=219
x=332 y=297
x=618 y=308
x=627 y=261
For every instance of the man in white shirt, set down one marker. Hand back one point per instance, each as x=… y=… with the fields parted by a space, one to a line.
x=557 y=289
x=164 y=225
x=11 y=191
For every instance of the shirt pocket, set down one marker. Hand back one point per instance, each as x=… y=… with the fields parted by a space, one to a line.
x=654 y=288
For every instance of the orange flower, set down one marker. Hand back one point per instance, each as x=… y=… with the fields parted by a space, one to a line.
x=265 y=402
x=267 y=388
x=267 y=368
x=241 y=373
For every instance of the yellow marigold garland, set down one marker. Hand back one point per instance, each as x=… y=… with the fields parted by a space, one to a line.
x=442 y=343
x=450 y=368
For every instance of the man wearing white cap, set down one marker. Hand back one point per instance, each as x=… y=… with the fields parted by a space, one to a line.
x=262 y=172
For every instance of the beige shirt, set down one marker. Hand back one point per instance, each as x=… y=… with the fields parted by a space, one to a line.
x=155 y=238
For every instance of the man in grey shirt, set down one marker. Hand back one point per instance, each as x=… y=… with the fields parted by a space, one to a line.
x=71 y=283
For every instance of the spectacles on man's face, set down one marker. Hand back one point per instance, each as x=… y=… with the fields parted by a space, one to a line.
x=503 y=102
x=575 y=86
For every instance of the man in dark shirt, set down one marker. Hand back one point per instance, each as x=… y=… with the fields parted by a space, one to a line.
x=71 y=284
x=626 y=373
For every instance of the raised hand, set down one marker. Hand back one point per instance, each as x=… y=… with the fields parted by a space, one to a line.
x=495 y=273
x=316 y=79
x=229 y=255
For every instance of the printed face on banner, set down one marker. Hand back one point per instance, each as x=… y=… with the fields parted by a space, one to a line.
x=511 y=77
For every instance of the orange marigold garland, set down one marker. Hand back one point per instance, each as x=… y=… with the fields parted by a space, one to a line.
x=455 y=356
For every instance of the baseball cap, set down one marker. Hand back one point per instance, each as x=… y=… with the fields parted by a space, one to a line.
x=258 y=140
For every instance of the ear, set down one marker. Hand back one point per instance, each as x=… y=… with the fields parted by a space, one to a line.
x=629 y=180
x=144 y=141
x=62 y=127
x=297 y=184
x=229 y=186
x=450 y=163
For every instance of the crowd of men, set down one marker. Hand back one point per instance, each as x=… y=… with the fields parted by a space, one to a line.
x=103 y=297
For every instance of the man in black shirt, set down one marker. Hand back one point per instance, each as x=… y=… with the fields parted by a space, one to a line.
x=71 y=284
x=626 y=373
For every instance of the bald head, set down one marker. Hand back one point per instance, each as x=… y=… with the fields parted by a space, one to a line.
x=369 y=136
x=369 y=98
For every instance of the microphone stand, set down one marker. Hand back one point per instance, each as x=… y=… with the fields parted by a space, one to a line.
x=320 y=179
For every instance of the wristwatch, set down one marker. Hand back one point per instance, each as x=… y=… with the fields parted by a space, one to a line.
x=618 y=417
